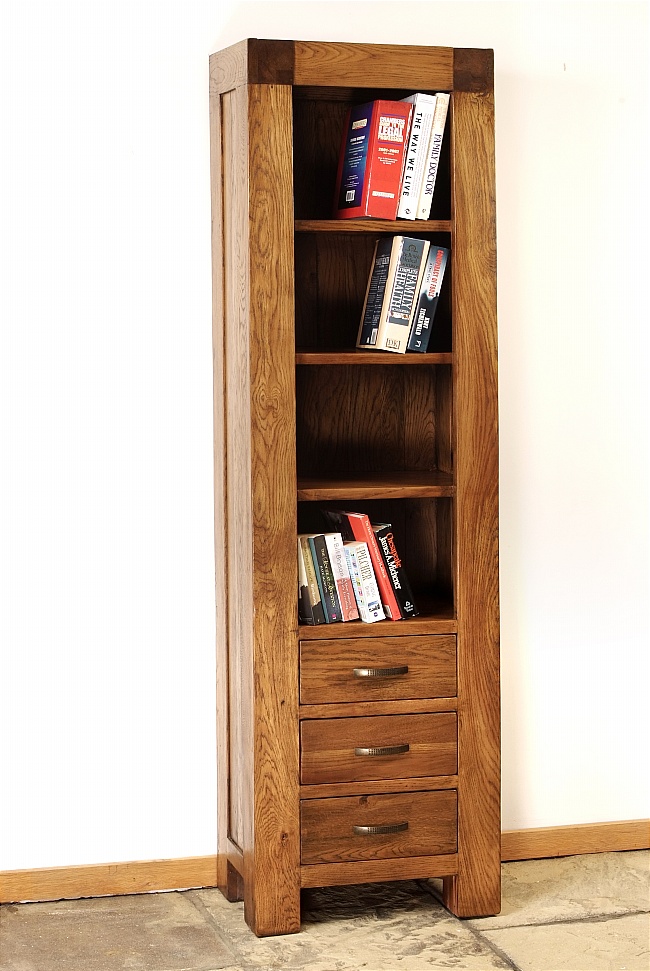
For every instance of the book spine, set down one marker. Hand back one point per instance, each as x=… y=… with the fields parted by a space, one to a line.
x=353 y=162
x=341 y=575
x=417 y=154
x=362 y=531
x=305 y=612
x=425 y=310
x=371 y=313
x=398 y=310
x=437 y=132
x=326 y=582
x=395 y=570
x=365 y=584
x=318 y=613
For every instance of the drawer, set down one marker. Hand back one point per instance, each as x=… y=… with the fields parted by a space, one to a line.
x=378 y=747
x=377 y=669
x=378 y=827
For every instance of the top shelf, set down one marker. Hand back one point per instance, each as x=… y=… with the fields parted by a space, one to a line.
x=398 y=226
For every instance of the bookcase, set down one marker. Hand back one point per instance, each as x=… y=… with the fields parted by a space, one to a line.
x=302 y=420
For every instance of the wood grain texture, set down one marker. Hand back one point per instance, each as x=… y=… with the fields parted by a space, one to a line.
x=412 y=706
x=473 y=70
x=345 y=227
x=476 y=889
x=355 y=356
x=377 y=871
x=327 y=669
x=335 y=789
x=366 y=65
x=435 y=618
x=273 y=899
x=236 y=551
x=220 y=511
x=228 y=68
x=535 y=844
x=68 y=883
x=328 y=834
x=328 y=747
x=394 y=485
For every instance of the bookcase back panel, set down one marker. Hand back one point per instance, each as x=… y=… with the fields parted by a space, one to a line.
x=371 y=418
x=318 y=123
x=423 y=536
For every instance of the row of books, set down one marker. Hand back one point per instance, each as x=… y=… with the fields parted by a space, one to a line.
x=402 y=294
x=389 y=158
x=353 y=572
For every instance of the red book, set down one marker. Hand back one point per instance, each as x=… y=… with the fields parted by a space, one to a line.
x=356 y=525
x=371 y=160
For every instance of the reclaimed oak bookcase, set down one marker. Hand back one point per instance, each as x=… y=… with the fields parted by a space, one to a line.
x=303 y=420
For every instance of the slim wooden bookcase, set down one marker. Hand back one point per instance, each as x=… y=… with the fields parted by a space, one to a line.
x=303 y=420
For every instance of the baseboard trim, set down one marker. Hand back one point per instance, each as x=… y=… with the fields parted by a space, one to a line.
x=107 y=880
x=538 y=844
x=115 y=879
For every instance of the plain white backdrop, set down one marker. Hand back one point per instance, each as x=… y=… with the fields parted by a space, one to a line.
x=107 y=701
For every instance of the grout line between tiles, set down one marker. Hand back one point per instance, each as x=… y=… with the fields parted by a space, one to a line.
x=198 y=905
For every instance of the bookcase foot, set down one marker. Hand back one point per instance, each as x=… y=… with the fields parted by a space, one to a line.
x=233 y=886
x=463 y=898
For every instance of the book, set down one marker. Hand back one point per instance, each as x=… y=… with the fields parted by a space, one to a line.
x=401 y=293
x=325 y=578
x=435 y=145
x=425 y=309
x=371 y=160
x=395 y=570
x=364 y=582
x=310 y=605
x=341 y=573
x=375 y=290
x=391 y=293
x=417 y=154
x=356 y=526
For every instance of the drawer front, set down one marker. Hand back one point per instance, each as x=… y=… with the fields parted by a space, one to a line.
x=378 y=747
x=378 y=827
x=377 y=669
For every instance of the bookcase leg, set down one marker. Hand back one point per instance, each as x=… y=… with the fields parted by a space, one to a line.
x=464 y=898
x=268 y=913
x=233 y=886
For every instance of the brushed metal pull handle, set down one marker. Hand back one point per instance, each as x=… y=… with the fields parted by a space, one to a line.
x=380 y=672
x=380 y=830
x=384 y=750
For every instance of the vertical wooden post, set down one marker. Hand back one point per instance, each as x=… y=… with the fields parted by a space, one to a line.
x=476 y=890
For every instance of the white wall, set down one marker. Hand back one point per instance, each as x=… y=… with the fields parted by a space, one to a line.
x=106 y=629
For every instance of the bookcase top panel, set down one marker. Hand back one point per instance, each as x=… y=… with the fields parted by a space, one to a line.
x=335 y=64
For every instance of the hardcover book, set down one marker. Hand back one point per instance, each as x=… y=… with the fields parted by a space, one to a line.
x=371 y=160
x=371 y=313
x=425 y=310
x=417 y=154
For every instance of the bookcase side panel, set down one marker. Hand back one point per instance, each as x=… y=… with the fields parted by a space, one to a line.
x=235 y=558
x=475 y=890
x=274 y=903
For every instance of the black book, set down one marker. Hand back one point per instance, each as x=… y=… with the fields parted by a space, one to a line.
x=395 y=570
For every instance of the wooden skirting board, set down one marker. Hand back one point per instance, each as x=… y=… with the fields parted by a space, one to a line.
x=113 y=879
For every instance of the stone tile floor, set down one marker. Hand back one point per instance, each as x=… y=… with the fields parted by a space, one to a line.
x=582 y=913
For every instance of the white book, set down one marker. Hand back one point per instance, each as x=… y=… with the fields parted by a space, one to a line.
x=417 y=154
x=364 y=582
x=437 y=132
x=401 y=293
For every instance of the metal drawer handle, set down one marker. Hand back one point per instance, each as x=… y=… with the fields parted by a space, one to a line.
x=384 y=750
x=380 y=830
x=380 y=672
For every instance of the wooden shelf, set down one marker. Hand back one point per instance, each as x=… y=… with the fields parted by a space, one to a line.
x=402 y=227
x=355 y=356
x=434 y=619
x=394 y=485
